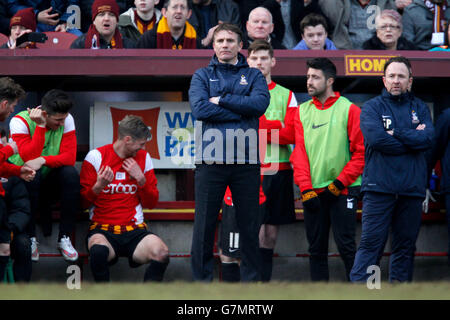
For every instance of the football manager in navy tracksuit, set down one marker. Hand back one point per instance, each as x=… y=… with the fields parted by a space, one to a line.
x=397 y=131
x=227 y=98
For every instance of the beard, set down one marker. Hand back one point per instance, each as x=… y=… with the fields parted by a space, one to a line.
x=316 y=92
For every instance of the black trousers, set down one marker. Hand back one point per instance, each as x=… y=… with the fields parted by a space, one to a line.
x=61 y=184
x=211 y=182
x=341 y=216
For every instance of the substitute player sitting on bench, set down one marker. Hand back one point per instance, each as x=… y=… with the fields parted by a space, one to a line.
x=117 y=182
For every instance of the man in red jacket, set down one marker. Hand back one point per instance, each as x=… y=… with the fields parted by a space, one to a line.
x=47 y=143
x=117 y=182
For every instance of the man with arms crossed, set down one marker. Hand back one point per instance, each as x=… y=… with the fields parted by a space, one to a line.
x=227 y=98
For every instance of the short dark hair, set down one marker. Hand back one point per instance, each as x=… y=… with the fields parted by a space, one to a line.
x=167 y=2
x=326 y=65
x=399 y=59
x=10 y=91
x=260 y=44
x=56 y=101
x=312 y=20
x=229 y=27
x=134 y=127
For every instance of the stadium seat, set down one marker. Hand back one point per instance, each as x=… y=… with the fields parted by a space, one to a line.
x=3 y=39
x=57 y=40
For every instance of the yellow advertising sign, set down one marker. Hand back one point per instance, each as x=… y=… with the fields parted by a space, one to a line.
x=365 y=65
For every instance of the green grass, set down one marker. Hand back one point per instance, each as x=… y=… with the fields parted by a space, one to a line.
x=219 y=291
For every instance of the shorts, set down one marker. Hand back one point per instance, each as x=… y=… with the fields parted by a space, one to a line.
x=279 y=191
x=229 y=231
x=123 y=244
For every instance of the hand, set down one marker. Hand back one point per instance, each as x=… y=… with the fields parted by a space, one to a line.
x=46 y=18
x=35 y=164
x=38 y=115
x=402 y=4
x=104 y=177
x=332 y=192
x=311 y=201
x=27 y=173
x=134 y=170
x=13 y=145
x=61 y=27
x=208 y=39
x=214 y=100
x=12 y=39
x=427 y=200
x=421 y=126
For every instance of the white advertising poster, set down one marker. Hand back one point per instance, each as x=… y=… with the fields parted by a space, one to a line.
x=171 y=124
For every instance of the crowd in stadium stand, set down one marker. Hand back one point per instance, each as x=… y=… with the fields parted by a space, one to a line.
x=178 y=24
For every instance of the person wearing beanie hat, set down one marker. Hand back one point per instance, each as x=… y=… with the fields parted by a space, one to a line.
x=103 y=32
x=24 y=21
x=51 y=15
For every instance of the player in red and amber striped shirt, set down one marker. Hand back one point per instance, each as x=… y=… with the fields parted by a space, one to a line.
x=117 y=182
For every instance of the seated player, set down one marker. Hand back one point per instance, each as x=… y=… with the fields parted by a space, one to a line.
x=117 y=182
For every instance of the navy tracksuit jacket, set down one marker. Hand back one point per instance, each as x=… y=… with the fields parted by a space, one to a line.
x=394 y=181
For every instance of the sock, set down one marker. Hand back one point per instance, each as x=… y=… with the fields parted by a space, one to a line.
x=155 y=270
x=3 y=262
x=21 y=253
x=98 y=255
x=231 y=272
x=266 y=257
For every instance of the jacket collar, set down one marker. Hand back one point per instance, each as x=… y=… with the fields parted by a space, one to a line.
x=328 y=103
x=400 y=98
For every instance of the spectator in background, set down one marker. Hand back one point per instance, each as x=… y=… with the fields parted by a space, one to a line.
x=207 y=14
x=24 y=21
x=314 y=33
x=51 y=15
x=173 y=30
x=388 y=34
x=47 y=143
x=260 y=26
x=103 y=32
x=352 y=20
x=424 y=22
x=86 y=11
x=286 y=17
x=446 y=40
x=142 y=18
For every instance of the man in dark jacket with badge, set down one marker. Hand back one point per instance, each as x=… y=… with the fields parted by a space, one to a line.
x=397 y=131
x=227 y=98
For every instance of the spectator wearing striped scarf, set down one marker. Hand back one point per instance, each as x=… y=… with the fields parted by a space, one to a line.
x=424 y=22
x=134 y=22
x=173 y=30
